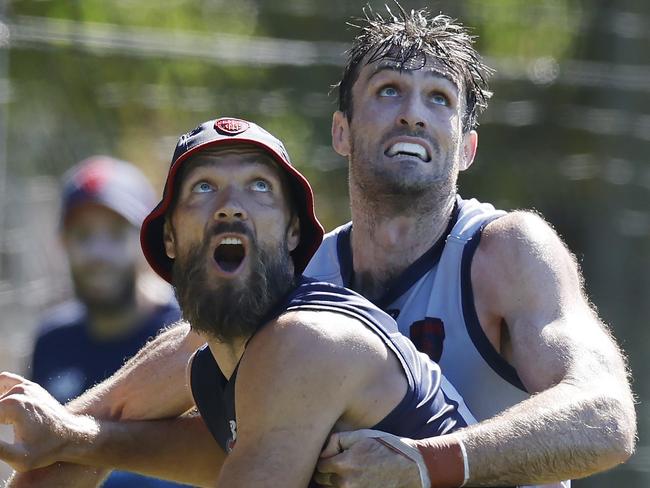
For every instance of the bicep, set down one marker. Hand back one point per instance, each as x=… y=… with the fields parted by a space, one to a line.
x=272 y=459
x=535 y=288
x=291 y=389
x=278 y=443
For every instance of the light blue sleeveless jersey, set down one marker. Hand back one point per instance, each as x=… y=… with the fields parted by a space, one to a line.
x=433 y=304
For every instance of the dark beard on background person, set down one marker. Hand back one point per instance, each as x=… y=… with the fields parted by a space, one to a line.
x=232 y=309
x=109 y=302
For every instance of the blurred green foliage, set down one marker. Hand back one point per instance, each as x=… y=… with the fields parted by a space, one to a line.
x=528 y=30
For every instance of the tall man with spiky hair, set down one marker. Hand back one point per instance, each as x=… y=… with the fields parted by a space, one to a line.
x=496 y=297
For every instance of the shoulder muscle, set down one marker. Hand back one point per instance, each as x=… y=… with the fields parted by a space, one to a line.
x=529 y=281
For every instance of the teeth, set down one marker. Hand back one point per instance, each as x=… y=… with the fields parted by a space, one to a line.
x=231 y=241
x=408 y=148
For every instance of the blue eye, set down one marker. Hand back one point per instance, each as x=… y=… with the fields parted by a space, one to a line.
x=388 y=91
x=202 y=187
x=439 y=99
x=261 y=186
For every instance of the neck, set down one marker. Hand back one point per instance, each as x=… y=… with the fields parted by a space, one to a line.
x=227 y=354
x=106 y=326
x=388 y=236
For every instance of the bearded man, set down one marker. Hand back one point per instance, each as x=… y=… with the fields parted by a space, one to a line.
x=287 y=359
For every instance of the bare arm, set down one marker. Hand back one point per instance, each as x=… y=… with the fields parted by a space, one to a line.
x=59 y=475
x=150 y=385
x=307 y=379
x=581 y=418
x=178 y=449
x=181 y=450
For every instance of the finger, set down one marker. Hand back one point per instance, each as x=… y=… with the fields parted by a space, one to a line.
x=332 y=448
x=8 y=381
x=10 y=453
x=323 y=479
x=345 y=440
x=340 y=441
x=325 y=466
x=6 y=412
x=338 y=464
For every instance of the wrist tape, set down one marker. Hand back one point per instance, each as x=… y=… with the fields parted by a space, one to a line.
x=397 y=445
x=446 y=461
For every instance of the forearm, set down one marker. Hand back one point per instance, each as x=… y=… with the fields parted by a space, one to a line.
x=151 y=385
x=180 y=449
x=59 y=475
x=565 y=432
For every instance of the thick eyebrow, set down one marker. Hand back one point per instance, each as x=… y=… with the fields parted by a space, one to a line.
x=394 y=66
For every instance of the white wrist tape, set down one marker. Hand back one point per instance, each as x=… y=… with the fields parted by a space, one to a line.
x=401 y=447
x=465 y=462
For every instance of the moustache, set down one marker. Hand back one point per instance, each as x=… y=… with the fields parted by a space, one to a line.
x=228 y=227
x=417 y=133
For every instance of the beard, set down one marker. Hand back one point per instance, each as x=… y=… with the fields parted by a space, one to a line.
x=231 y=309
x=111 y=298
x=398 y=188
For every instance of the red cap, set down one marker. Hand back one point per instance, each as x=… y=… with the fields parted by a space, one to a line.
x=109 y=182
x=227 y=131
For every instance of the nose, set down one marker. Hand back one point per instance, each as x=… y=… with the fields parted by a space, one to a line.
x=230 y=208
x=101 y=246
x=413 y=113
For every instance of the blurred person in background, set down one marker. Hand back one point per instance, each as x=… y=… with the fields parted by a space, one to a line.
x=85 y=340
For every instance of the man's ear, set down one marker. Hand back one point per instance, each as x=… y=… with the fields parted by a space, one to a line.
x=470 y=143
x=168 y=240
x=341 y=133
x=293 y=233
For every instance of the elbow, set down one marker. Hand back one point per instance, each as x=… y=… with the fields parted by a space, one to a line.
x=620 y=450
x=618 y=424
x=624 y=441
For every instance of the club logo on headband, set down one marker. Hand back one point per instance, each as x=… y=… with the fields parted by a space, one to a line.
x=230 y=127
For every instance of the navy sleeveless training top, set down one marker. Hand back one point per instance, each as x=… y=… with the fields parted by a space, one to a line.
x=425 y=411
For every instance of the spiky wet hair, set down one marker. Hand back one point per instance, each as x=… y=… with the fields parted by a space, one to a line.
x=410 y=39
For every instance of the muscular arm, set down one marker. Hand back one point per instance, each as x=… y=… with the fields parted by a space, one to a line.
x=151 y=385
x=581 y=417
x=580 y=420
x=307 y=379
x=179 y=449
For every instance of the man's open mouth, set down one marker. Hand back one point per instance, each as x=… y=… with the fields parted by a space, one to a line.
x=229 y=254
x=408 y=149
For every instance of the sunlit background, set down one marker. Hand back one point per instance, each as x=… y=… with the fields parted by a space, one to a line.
x=567 y=132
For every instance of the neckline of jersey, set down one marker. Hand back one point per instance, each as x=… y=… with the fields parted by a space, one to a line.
x=399 y=285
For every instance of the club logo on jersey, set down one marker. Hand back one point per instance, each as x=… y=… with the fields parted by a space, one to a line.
x=428 y=336
x=230 y=445
x=230 y=127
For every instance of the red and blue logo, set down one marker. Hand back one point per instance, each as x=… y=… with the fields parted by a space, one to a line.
x=231 y=127
x=428 y=336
